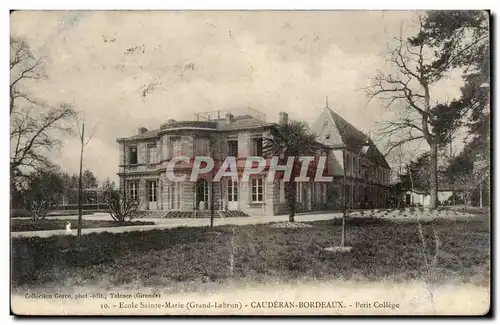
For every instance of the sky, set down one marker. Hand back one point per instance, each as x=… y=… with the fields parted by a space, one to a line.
x=126 y=69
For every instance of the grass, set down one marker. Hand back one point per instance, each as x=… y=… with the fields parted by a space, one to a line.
x=58 y=224
x=382 y=249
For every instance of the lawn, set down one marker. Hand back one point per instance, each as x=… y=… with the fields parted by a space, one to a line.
x=54 y=224
x=381 y=249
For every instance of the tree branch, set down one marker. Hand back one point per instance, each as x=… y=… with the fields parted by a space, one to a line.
x=401 y=142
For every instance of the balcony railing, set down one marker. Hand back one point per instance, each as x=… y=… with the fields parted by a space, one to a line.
x=237 y=112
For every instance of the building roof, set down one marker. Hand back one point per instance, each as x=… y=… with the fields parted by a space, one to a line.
x=357 y=140
x=145 y=135
x=349 y=134
x=243 y=122
x=239 y=123
x=417 y=191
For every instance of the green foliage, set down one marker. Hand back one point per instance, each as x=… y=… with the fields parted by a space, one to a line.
x=293 y=139
x=417 y=175
x=88 y=179
x=43 y=192
x=447 y=117
x=460 y=39
x=461 y=165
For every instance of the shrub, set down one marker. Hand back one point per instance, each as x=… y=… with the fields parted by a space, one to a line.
x=120 y=207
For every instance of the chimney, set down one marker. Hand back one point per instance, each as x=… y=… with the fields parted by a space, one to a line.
x=283 y=118
x=230 y=117
x=142 y=130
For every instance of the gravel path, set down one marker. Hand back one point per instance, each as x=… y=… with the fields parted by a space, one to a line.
x=174 y=223
x=204 y=222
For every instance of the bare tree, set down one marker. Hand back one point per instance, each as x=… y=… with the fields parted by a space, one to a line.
x=83 y=143
x=34 y=125
x=23 y=66
x=405 y=90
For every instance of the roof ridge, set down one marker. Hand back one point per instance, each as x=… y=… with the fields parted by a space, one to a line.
x=336 y=116
x=359 y=137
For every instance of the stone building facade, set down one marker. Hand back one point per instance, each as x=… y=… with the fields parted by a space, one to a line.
x=144 y=157
x=359 y=167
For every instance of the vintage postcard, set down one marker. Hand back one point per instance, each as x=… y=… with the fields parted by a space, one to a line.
x=250 y=162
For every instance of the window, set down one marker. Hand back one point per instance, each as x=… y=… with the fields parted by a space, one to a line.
x=152 y=154
x=152 y=191
x=257 y=190
x=202 y=147
x=320 y=192
x=202 y=191
x=232 y=191
x=257 y=146
x=177 y=147
x=301 y=192
x=132 y=190
x=325 y=122
x=232 y=148
x=132 y=157
x=347 y=162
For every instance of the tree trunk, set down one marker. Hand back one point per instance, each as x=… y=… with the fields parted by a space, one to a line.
x=11 y=102
x=290 y=194
x=79 y=232
x=453 y=182
x=434 y=177
x=79 y=225
x=481 y=194
x=466 y=195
